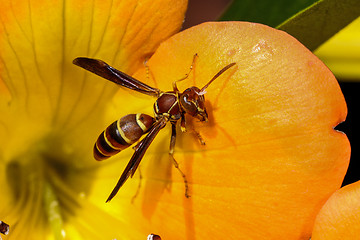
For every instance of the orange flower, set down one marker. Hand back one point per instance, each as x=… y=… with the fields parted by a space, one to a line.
x=272 y=157
x=339 y=218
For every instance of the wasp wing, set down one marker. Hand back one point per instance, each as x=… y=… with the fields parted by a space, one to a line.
x=102 y=69
x=137 y=156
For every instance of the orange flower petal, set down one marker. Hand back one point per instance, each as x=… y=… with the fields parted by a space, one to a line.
x=271 y=157
x=339 y=218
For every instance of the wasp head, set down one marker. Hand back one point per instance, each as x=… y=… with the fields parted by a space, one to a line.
x=192 y=101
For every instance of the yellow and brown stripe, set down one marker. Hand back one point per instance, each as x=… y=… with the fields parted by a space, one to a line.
x=122 y=134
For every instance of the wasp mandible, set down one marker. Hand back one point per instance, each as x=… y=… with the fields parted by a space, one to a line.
x=169 y=106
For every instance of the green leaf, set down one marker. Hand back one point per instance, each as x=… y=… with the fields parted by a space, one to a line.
x=316 y=24
x=269 y=12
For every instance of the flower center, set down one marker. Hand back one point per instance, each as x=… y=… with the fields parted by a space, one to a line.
x=46 y=188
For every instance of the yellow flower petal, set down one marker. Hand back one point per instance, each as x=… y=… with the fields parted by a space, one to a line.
x=341 y=52
x=38 y=41
x=51 y=111
x=271 y=157
x=339 y=218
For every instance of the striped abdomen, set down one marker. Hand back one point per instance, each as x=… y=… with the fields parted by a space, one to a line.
x=121 y=134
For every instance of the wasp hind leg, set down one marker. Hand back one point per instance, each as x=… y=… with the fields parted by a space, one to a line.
x=176 y=165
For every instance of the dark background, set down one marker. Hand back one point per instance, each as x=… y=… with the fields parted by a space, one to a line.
x=351 y=91
x=209 y=10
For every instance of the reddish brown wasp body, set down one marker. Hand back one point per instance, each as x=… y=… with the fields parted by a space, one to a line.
x=4 y=228
x=153 y=237
x=121 y=134
x=170 y=107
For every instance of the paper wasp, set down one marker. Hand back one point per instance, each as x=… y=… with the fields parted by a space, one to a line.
x=169 y=106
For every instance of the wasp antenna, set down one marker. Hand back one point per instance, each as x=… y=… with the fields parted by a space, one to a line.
x=202 y=91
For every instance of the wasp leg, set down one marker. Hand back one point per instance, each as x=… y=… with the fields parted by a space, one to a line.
x=183 y=123
x=184 y=129
x=171 y=153
x=147 y=69
x=197 y=134
x=186 y=75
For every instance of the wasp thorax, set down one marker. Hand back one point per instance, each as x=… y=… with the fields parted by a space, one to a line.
x=192 y=102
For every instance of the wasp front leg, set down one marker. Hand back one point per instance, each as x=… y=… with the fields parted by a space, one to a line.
x=183 y=129
x=197 y=134
x=171 y=153
x=183 y=123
